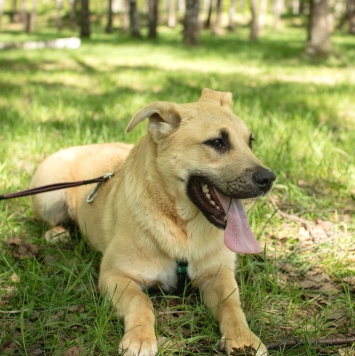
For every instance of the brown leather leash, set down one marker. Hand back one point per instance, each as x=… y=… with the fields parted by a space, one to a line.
x=57 y=186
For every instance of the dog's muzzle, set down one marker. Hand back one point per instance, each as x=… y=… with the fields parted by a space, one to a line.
x=204 y=194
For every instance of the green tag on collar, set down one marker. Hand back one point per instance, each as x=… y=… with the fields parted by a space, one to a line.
x=181 y=271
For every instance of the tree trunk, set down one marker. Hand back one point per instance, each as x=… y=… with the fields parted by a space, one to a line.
x=254 y=24
x=217 y=28
x=2 y=3
x=134 y=19
x=277 y=9
x=171 y=13
x=30 y=18
x=125 y=16
x=109 y=26
x=152 y=18
x=85 y=19
x=351 y=12
x=207 y=23
x=318 y=28
x=59 y=20
x=72 y=15
x=191 y=34
x=231 y=16
x=15 y=15
x=23 y=11
x=262 y=15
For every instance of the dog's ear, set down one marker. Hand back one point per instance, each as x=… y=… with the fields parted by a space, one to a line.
x=219 y=97
x=163 y=118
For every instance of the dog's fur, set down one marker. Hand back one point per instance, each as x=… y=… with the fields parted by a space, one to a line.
x=144 y=219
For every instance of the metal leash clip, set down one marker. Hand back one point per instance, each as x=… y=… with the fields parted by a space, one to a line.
x=92 y=195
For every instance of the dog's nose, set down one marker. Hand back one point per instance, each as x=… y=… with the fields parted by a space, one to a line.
x=264 y=179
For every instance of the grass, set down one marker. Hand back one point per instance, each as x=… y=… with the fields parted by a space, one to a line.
x=302 y=114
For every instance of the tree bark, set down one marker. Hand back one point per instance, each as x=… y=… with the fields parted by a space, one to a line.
x=85 y=19
x=231 y=15
x=191 y=34
x=30 y=18
x=125 y=16
x=318 y=29
x=2 y=3
x=152 y=18
x=217 y=28
x=207 y=23
x=171 y=7
x=351 y=12
x=349 y=17
x=109 y=25
x=254 y=24
x=59 y=20
x=262 y=15
x=296 y=7
x=277 y=9
x=15 y=15
x=134 y=19
x=23 y=11
x=72 y=15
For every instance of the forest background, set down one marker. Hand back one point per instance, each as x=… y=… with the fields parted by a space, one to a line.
x=290 y=67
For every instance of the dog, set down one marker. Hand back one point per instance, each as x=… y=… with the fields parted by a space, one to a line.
x=175 y=195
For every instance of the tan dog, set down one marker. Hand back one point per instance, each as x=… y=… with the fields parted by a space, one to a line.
x=170 y=199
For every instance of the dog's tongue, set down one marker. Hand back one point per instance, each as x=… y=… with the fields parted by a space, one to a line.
x=238 y=236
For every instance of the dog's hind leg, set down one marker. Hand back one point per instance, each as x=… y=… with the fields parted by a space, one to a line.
x=52 y=208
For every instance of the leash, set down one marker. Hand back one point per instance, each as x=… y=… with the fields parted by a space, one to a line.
x=182 y=266
x=57 y=186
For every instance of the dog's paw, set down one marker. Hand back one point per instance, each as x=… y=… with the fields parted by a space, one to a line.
x=56 y=235
x=246 y=344
x=138 y=346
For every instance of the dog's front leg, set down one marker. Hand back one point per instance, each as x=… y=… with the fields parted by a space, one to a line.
x=221 y=295
x=135 y=308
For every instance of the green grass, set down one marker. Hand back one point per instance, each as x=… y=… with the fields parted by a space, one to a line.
x=302 y=113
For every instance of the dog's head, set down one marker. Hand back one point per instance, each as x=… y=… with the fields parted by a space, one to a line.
x=205 y=150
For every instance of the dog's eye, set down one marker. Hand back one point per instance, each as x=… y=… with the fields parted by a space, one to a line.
x=251 y=139
x=217 y=143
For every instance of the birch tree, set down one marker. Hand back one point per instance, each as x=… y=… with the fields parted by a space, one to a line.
x=254 y=24
x=191 y=33
x=134 y=19
x=318 y=28
x=171 y=9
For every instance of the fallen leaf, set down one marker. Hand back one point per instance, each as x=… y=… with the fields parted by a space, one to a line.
x=36 y=352
x=347 y=352
x=308 y=284
x=74 y=351
x=351 y=282
x=15 y=278
x=22 y=249
x=328 y=288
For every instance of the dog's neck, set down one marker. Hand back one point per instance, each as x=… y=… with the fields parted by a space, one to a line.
x=151 y=184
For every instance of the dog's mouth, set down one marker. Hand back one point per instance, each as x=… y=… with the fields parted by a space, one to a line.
x=204 y=196
x=225 y=213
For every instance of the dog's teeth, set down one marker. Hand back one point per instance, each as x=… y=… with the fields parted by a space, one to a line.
x=205 y=188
